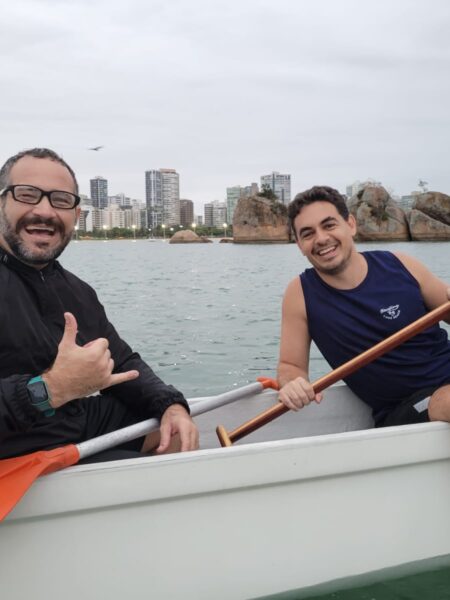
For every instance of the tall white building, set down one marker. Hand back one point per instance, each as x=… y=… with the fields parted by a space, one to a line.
x=113 y=216
x=85 y=219
x=215 y=214
x=121 y=200
x=153 y=197
x=162 y=192
x=280 y=185
x=171 y=196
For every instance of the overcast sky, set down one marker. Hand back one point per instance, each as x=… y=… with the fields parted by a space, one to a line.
x=329 y=91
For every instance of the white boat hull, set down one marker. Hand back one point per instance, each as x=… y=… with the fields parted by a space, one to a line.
x=235 y=523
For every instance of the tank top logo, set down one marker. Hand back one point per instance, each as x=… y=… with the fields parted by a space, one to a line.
x=391 y=312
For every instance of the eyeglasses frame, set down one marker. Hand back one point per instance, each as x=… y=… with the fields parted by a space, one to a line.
x=11 y=188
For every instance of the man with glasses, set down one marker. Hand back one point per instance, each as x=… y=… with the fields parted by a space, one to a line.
x=57 y=346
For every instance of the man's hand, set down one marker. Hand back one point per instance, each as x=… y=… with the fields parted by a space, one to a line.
x=79 y=371
x=177 y=420
x=298 y=393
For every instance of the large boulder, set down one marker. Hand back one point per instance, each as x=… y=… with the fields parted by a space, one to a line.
x=429 y=218
x=260 y=220
x=186 y=236
x=435 y=205
x=425 y=228
x=378 y=217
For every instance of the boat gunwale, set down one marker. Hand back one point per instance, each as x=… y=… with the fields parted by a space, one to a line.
x=218 y=470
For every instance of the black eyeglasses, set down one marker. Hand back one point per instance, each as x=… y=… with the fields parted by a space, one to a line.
x=28 y=194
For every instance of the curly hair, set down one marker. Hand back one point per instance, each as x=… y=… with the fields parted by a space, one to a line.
x=318 y=193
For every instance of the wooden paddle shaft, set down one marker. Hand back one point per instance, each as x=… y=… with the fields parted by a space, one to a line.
x=341 y=372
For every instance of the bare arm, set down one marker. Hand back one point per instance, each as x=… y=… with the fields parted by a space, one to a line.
x=434 y=291
x=296 y=391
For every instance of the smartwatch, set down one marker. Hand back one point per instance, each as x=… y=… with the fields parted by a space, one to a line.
x=40 y=396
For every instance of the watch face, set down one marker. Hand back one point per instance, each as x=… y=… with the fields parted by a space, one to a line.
x=38 y=392
x=39 y=396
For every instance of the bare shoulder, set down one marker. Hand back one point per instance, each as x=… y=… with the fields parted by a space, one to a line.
x=294 y=301
x=408 y=260
x=294 y=287
x=433 y=289
x=414 y=266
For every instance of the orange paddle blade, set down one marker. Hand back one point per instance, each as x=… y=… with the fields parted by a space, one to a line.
x=17 y=474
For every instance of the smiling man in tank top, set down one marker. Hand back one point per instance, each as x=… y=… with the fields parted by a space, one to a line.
x=348 y=302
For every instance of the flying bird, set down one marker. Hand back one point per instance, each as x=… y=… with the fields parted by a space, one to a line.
x=96 y=148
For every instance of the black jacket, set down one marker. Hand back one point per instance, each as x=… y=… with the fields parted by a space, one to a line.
x=32 y=306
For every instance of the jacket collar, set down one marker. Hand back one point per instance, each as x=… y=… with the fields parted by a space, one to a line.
x=14 y=263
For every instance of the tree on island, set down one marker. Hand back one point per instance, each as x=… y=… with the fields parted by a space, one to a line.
x=267 y=192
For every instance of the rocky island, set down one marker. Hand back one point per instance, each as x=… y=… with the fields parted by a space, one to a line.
x=188 y=237
x=379 y=217
x=263 y=220
x=429 y=219
x=259 y=220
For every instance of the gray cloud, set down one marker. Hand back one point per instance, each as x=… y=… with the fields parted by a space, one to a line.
x=225 y=91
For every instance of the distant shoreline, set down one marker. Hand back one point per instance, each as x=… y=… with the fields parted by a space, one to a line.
x=252 y=243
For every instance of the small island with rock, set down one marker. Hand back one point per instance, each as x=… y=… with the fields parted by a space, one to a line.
x=188 y=237
x=260 y=220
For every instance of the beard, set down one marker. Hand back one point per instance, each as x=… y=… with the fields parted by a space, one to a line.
x=336 y=269
x=38 y=254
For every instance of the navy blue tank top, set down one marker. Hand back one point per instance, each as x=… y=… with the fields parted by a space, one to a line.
x=344 y=323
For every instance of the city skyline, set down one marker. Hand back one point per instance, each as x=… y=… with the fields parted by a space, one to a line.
x=163 y=206
x=232 y=193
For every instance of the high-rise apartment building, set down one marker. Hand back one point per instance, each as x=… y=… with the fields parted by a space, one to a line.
x=171 y=196
x=162 y=192
x=153 y=197
x=280 y=185
x=121 y=200
x=208 y=211
x=236 y=192
x=99 y=192
x=215 y=214
x=186 y=212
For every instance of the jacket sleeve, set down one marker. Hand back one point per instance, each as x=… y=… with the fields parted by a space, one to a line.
x=17 y=414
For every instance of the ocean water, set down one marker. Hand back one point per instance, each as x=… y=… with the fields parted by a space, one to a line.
x=206 y=317
x=424 y=580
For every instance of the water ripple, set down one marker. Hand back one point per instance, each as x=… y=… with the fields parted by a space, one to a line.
x=206 y=319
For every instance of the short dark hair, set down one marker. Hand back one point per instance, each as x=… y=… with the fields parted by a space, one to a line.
x=318 y=193
x=35 y=153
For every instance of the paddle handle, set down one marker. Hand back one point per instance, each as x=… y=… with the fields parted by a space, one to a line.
x=434 y=316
